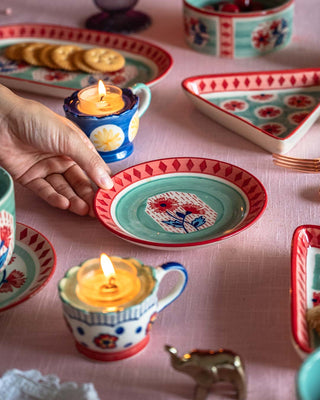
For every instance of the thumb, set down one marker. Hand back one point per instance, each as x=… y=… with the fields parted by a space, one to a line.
x=31 y=121
x=75 y=144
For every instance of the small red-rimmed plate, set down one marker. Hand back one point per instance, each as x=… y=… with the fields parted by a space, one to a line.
x=273 y=109
x=305 y=285
x=145 y=62
x=177 y=203
x=31 y=267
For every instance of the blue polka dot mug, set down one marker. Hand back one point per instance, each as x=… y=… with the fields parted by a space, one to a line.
x=112 y=134
x=108 y=334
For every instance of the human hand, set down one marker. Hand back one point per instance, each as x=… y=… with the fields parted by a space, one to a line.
x=49 y=154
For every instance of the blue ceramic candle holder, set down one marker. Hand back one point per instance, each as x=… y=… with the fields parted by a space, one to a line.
x=112 y=134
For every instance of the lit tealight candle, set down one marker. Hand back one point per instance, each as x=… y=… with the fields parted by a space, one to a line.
x=102 y=285
x=100 y=100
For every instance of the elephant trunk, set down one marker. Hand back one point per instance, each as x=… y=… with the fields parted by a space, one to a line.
x=176 y=361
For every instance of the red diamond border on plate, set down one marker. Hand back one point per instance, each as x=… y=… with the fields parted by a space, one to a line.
x=251 y=187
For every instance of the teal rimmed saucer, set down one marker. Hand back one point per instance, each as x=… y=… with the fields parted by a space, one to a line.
x=32 y=265
x=180 y=202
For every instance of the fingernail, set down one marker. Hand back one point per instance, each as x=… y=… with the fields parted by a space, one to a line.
x=105 y=182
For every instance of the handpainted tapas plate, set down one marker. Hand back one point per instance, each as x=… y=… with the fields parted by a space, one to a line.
x=305 y=286
x=145 y=62
x=32 y=265
x=273 y=109
x=183 y=202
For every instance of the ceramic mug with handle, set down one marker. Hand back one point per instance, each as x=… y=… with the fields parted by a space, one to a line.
x=109 y=334
x=7 y=218
x=112 y=134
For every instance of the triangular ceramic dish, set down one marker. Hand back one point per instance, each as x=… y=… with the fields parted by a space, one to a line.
x=273 y=109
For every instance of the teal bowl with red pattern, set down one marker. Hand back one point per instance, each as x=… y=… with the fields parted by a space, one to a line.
x=224 y=29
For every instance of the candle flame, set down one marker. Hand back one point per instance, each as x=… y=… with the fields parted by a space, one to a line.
x=101 y=90
x=106 y=265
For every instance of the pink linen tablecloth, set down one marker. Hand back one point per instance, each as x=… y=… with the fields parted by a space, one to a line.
x=238 y=292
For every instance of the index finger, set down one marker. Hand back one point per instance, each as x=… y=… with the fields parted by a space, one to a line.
x=78 y=146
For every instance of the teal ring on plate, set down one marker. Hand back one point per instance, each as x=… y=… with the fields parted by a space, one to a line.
x=180 y=202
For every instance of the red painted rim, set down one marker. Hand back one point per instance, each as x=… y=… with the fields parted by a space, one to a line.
x=33 y=292
x=123 y=179
x=295 y=291
x=160 y=57
x=114 y=356
x=235 y=77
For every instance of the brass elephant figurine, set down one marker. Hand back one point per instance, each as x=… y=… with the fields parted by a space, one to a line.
x=207 y=367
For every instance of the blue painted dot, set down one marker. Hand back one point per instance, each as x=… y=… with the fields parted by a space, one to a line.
x=139 y=329
x=80 y=330
x=127 y=345
x=120 y=330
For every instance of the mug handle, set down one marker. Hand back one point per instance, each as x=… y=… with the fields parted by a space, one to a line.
x=179 y=287
x=145 y=99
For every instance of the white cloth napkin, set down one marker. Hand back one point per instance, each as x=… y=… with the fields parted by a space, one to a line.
x=32 y=385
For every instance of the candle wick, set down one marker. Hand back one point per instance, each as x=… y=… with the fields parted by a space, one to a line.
x=110 y=286
x=112 y=282
x=101 y=98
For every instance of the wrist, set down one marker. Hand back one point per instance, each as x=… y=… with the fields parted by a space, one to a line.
x=8 y=101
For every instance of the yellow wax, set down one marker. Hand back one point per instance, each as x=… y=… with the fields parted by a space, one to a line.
x=96 y=289
x=92 y=103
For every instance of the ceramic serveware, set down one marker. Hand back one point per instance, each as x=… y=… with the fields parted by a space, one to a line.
x=144 y=62
x=112 y=134
x=113 y=333
x=118 y=17
x=7 y=218
x=307 y=379
x=305 y=286
x=273 y=109
x=179 y=203
x=238 y=34
x=31 y=267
